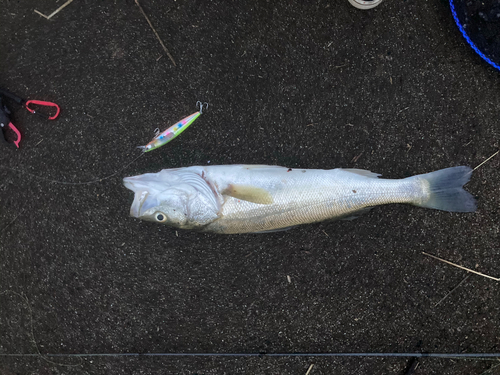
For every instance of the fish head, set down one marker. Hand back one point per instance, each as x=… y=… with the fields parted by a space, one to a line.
x=168 y=208
x=173 y=198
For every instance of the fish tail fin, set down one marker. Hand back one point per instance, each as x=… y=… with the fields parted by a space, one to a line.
x=445 y=190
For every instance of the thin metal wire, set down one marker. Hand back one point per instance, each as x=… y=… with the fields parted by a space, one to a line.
x=491 y=356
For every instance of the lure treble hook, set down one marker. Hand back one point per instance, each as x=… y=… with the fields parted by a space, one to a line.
x=201 y=105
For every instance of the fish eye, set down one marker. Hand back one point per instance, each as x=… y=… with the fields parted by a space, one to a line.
x=161 y=217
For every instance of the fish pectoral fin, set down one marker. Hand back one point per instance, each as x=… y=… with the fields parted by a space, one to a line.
x=362 y=172
x=249 y=193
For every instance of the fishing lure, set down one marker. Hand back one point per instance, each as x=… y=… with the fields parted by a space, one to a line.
x=173 y=131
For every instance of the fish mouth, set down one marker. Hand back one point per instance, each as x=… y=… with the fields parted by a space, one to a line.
x=140 y=196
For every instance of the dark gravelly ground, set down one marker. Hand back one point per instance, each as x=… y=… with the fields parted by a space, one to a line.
x=311 y=84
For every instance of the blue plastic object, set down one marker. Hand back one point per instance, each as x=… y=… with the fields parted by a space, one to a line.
x=460 y=27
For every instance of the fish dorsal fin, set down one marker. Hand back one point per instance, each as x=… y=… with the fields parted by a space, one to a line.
x=249 y=193
x=259 y=166
x=363 y=172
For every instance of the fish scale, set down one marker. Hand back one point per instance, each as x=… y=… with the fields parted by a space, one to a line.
x=333 y=199
x=258 y=198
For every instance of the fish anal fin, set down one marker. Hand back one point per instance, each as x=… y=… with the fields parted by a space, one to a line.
x=249 y=193
x=362 y=172
x=357 y=214
x=275 y=230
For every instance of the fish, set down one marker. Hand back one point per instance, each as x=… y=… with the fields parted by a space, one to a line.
x=233 y=199
x=169 y=134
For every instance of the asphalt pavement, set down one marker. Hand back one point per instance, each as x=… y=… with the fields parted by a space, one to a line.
x=310 y=84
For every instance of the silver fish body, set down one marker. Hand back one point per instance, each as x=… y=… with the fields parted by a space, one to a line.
x=260 y=198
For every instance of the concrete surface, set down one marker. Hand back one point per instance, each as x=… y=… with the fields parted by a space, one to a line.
x=313 y=84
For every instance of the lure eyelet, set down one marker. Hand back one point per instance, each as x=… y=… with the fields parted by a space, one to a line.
x=160 y=217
